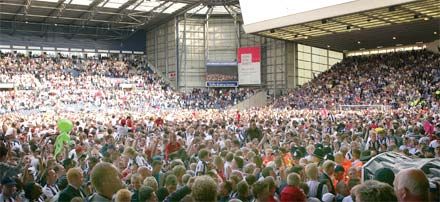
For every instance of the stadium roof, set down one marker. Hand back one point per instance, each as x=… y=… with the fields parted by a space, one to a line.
x=109 y=14
x=409 y=23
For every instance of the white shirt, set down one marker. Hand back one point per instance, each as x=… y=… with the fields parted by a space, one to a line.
x=72 y=155
x=347 y=199
x=49 y=192
x=313 y=199
x=114 y=121
x=313 y=188
x=434 y=144
x=201 y=168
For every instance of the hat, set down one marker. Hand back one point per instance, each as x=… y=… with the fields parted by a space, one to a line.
x=365 y=156
x=328 y=197
x=385 y=175
x=339 y=168
x=327 y=150
x=379 y=131
x=329 y=156
x=8 y=181
x=318 y=153
x=319 y=146
x=298 y=154
x=9 y=132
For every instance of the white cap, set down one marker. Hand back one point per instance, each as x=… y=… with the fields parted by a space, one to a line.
x=328 y=197
x=10 y=131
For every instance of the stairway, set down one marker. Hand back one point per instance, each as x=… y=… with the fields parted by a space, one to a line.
x=257 y=100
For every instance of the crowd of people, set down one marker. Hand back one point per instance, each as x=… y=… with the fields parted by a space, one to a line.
x=91 y=85
x=398 y=79
x=215 y=98
x=298 y=148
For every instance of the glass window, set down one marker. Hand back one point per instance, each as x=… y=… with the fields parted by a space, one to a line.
x=319 y=67
x=307 y=49
x=304 y=73
x=319 y=51
x=304 y=65
x=304 y=56
x=319 y=59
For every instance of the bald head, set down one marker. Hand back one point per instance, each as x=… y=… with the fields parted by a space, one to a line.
x=411 y=185
x=123 y=195
x=144 y=172
x=105 y=179
x=75 y=177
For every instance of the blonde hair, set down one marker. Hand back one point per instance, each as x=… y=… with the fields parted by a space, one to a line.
x=204 y=189
x=312 y=171
x=130 y=152
x=151 y=182
x=73 y=174
x=327 y=165
x=293 y=179
x=123 y=195
x=179 y=170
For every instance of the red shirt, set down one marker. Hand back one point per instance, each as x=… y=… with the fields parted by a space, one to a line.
x=170 y=148
x=158 y=122
x=237 y=117
x=129 y=123
x=292 y=193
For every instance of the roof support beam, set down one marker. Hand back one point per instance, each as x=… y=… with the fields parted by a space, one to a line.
x=154 y=12
x=181 y=11
x=318 y=28
x=121 y=9
x=63 y=8
x=346 y=23
x=196 y=11
x=376 y=18
x=296 y=33
x=421 y=15
x=134 y=14
x=92 y=8
x=63 y=18
x=60 y=7
x=24 y=9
